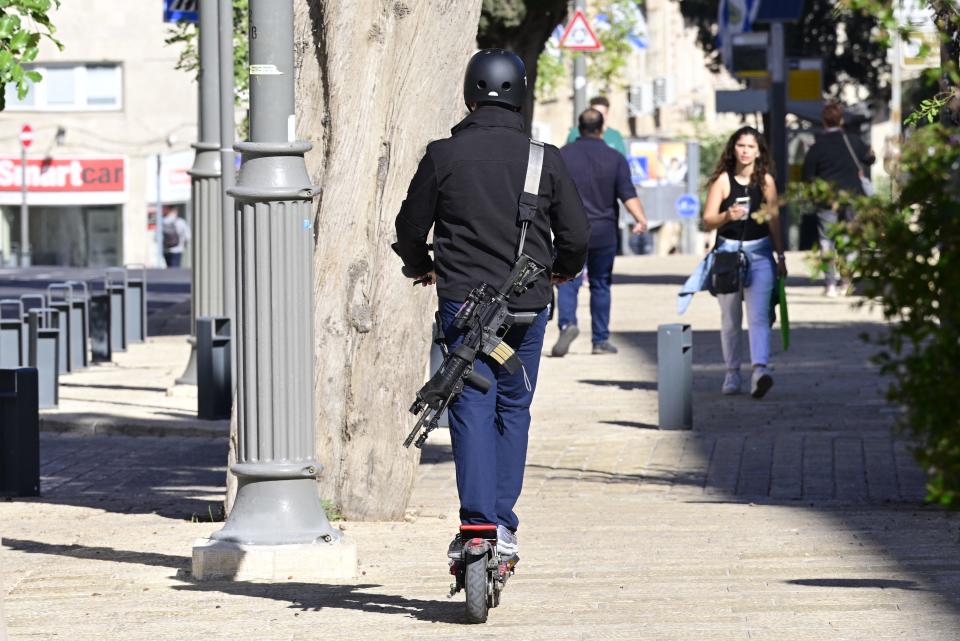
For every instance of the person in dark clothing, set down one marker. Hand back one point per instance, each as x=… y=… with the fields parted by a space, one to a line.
x=840 y=160
x=602 y=177
x=467 y=189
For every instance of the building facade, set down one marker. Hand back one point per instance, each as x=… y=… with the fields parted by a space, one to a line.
x=108 y=106
x=666 y=90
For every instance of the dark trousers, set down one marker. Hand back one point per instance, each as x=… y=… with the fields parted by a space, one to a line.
x=172 y=258
x=599 y=274
x=489 y=430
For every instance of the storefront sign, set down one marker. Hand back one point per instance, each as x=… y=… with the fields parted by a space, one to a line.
x=174 y=179
x=64 y=175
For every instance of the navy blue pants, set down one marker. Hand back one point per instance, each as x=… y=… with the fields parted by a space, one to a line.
x=489 y=430
x=599 y=274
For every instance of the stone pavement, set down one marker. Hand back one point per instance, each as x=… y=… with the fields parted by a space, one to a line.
x=797 y=517
x=134 y=394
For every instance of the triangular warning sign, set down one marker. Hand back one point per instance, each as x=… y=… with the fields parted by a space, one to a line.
x=578 y=35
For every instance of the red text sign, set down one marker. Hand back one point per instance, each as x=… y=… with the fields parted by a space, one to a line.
x=76 y=174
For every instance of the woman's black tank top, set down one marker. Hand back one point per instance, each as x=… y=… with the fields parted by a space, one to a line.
x=750 y=228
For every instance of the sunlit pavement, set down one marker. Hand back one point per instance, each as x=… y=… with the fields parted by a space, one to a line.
x=796 y=517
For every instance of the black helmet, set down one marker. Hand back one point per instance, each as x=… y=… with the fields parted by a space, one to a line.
x=497 y=76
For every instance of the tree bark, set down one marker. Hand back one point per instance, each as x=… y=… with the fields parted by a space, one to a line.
x=377 y=80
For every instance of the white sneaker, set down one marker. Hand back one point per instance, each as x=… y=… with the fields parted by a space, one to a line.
x=731 y=383
x=831 y=291
x=760 y=382
x=507 y=544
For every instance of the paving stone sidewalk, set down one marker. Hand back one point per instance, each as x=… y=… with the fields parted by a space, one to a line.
x=797 y=517
x=135 y=394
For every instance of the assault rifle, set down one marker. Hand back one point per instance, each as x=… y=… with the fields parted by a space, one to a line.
x=486 y=319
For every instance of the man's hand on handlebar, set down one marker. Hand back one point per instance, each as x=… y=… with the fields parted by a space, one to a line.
x=424 y=280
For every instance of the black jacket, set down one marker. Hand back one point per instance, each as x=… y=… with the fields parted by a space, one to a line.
x=830 y=160
x=467 y=188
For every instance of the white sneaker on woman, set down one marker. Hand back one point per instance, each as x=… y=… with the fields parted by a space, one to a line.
x=760 y=382
x=731 y=383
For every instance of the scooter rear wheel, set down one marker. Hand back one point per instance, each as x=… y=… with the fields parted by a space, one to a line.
x=475 y=588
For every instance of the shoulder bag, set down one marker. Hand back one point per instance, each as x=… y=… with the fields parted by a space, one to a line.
x=729 y=269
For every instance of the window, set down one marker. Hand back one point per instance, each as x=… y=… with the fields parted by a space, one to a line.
x=87 y=87
x=60 y=85
x=103 y=86
x=14 y=102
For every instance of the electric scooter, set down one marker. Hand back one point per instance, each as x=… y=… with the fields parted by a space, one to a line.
x=479 y=570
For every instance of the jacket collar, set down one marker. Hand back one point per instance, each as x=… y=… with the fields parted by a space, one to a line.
x=490 y=116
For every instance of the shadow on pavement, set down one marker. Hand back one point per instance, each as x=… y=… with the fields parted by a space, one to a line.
x=88 y=424
x=624 y=385
x=883 y=584
x=636 y=424
x=824 y=439
x=653 y=477
x=312 y=597
x=99 y=553
x=434 y=453
x=114 y=387
x=172 y=477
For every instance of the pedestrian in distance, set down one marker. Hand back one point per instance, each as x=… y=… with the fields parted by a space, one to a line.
x=742 y=205
x=467 y=189
x=842 y=161
x=611 y=136
x=176 y=237
x=602 y=177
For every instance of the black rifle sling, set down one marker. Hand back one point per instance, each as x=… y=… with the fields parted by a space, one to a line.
x=527 y=207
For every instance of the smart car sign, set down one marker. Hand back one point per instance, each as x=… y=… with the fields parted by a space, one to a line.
x=64 y=175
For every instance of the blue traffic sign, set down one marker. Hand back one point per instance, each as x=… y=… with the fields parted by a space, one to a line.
x=639 y=169
x=688 y=206
x=180 y=11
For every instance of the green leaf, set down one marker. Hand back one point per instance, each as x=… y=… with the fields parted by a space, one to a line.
x=20 y=41
x=9 y=24
x=34 y=76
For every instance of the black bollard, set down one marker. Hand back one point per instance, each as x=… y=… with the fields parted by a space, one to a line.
x=19 y=433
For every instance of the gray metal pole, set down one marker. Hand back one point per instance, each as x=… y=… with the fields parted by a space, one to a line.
x=778 y=117
x=24 y=211
x=277 y=501
x=579 y=75
x=158 y=235
x=691 y=233
x=228 y=173
x=207 y=220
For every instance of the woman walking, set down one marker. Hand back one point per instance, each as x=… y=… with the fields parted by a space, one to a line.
x=742 y=206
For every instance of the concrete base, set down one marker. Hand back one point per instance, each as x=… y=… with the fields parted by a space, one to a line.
x=189 y=376
x=221 y=560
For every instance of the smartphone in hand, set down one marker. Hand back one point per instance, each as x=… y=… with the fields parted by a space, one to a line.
x=744 y=203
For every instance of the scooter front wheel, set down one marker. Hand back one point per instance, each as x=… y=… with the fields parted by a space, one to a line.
x=475 y=587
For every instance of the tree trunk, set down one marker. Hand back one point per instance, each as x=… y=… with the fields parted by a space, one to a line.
x=527 y=39
x=377 y=80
